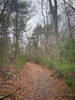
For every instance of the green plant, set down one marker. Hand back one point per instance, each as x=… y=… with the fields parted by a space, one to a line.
x=66 y=68
x=37 y=59
x=67 y=50
x=1 y=61
x=40 y=60
x=19 y=61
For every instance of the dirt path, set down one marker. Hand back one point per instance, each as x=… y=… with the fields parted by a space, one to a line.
x=32 y=82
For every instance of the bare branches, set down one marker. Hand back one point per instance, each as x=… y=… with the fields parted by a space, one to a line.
x=69 y=5
x=5 y=6
x=1 y=2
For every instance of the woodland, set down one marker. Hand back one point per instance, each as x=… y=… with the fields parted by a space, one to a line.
x=50 y=43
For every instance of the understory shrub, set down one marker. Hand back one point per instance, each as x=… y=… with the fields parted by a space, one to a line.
x=66 y=62
x=38 y=59
x=19 y=61
x=1 y=62
x=67 y=70
x=41 y=60
x=67 y=50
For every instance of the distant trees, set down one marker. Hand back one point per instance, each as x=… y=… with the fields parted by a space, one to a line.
x=21 y=9
x=66 y=16
x=14 y=15
x=5 y=11
x=66 y=9
x=40 y=41
x=58 y=24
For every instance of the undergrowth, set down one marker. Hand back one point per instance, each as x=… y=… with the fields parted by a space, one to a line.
x=19 y=61
x=64 y=64
x=67 y=70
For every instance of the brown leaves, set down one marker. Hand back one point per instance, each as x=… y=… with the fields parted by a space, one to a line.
x=32 y=82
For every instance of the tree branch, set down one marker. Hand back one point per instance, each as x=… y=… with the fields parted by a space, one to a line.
x=69 y=5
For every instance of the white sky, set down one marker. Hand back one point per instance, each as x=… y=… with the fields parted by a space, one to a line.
x=38 y=15
x=37 y=10
x=36 y=18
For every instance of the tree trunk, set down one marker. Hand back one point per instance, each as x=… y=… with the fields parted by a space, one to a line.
x=53 y=10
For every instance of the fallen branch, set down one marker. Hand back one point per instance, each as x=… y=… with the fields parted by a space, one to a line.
x=6 y=96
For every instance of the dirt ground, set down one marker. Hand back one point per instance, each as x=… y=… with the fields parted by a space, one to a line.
x=32 y=82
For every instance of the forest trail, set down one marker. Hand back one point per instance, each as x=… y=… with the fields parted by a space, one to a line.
x=32 y=82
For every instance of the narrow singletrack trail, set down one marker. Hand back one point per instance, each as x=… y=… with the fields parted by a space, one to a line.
x=32 y=82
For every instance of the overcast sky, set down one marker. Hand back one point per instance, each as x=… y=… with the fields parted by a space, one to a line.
x=38 y=15
x=36 y=18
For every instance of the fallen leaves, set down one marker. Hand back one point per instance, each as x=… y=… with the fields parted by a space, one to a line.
x=32 y=82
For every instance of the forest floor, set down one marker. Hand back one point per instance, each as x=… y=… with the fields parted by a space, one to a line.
x=32 y=82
